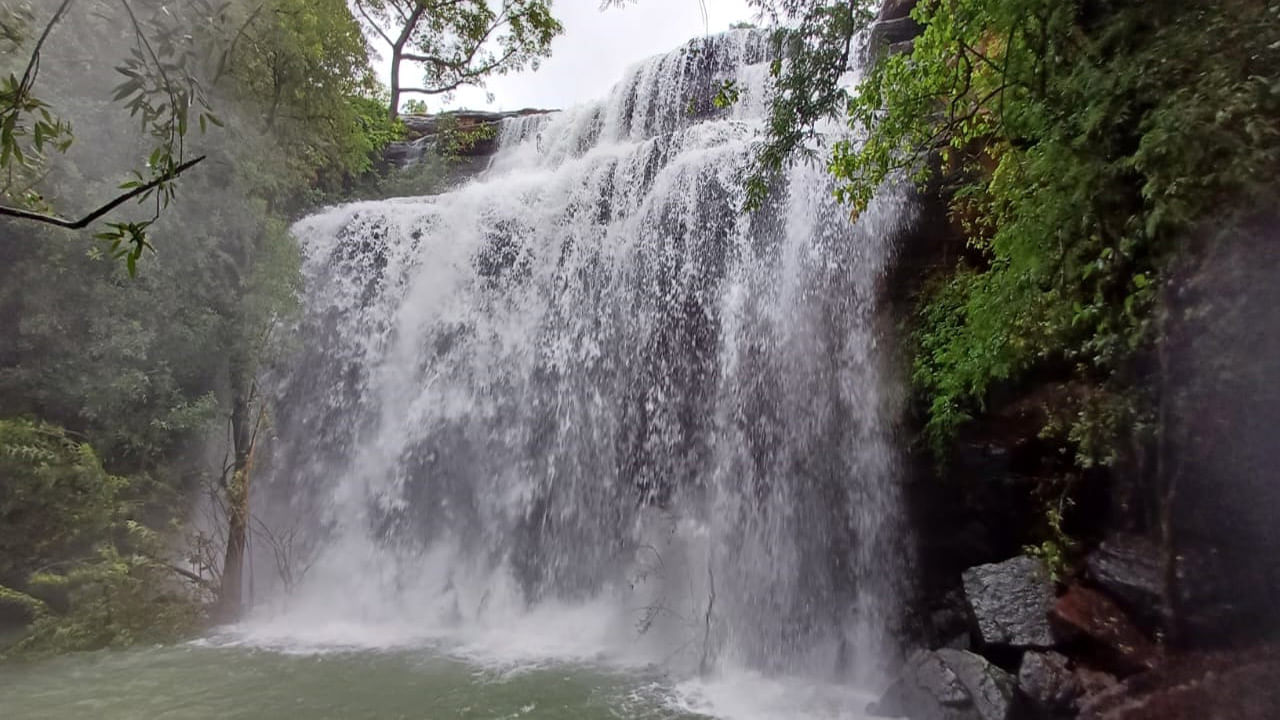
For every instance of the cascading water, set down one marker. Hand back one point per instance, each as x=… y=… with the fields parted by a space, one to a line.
x=587 y=406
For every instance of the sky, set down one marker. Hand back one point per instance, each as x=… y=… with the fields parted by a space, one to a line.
x=594 y=50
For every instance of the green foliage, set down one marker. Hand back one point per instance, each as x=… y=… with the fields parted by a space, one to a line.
x=1080 y=142
x=304 y=64
x=458 y=43
x=112 y=600
x=433 y=171
x=56 y=500
x=1057 y=548
x=453 y=139
x=144 y=369
x=726 y=95
x=72 y=559
x=813 y=45
x=159 y=89
x=27 y=123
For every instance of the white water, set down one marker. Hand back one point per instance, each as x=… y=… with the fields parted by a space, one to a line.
x=584 y=409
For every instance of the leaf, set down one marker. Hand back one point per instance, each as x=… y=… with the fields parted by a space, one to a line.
x=124 y=90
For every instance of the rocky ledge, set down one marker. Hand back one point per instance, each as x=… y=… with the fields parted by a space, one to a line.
x=423 y=131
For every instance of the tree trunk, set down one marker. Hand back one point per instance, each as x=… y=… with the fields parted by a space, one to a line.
x=230 y=595
x=395 y=83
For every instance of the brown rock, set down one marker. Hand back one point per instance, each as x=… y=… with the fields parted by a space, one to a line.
x=1091 y=619
x=1217 y=686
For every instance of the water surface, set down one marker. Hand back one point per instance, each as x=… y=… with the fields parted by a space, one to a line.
x=202 y=682
x=216 y=681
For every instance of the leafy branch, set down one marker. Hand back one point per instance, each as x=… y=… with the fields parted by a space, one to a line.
x=157 y=87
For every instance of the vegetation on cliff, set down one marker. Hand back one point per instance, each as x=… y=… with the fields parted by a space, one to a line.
x=1080 y=143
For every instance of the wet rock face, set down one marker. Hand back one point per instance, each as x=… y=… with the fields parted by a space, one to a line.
x=948 y=624
x=1010 y=602
x=1046 y=680
x=1096 y=625
x=895 y=9
x=949 y=685
x=1198 y=686
x=894 y=30
x=1128 y=567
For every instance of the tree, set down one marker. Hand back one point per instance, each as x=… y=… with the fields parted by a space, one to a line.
x=458 y=42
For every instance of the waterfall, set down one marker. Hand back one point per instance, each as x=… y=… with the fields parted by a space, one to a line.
x=586 y=401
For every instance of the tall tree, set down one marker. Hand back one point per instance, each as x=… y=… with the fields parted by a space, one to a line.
x=458 y=42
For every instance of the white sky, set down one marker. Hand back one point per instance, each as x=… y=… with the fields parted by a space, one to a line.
x=594 y=50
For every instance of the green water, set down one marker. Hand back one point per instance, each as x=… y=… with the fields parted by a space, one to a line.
x=194 y=682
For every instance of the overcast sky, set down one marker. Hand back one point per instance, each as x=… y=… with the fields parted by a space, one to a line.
x=595 y=49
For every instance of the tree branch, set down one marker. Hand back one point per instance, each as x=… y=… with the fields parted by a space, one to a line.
x=359 y=4
x=103 y=210
x=433 y=91
x=410 y=24
x=33 y=65
x=186 y=574
x=439 y=62
x=226 y=56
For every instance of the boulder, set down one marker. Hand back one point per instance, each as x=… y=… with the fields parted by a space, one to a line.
x=895 y=9
x=1129 y=567
x=1010 y=602
x=1046 y=679
x=1091 y=619
x=948 y=685
x=892 y=32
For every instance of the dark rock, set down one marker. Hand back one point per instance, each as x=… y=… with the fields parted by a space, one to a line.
x=902 y=48
x=1046 y=679
x=1129 y=568
x=1093 y=682
x=1200 y=686
x=948 y=685
x=1209 y=598
x=892 y=32
x=948 y=624
x=418 y=125
x=1011 y=602
x=895 y=9
x=1092 y=620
